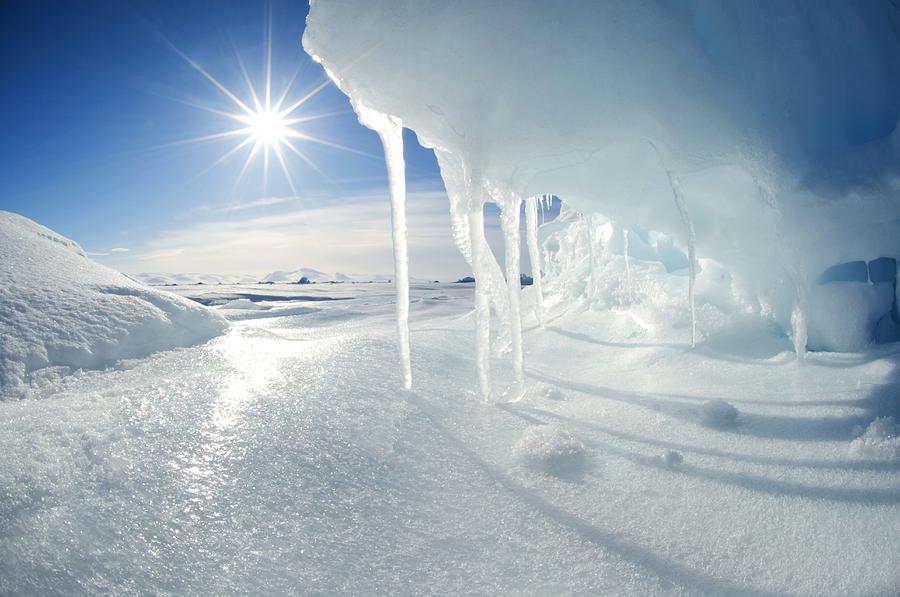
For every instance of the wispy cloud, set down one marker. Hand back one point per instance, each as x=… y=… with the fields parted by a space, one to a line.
x=112 y=251
x=351 y=234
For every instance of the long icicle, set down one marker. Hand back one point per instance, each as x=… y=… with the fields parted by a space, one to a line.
x=510 y=220
x=390 y=129
x=534 y=255
x=482 y=286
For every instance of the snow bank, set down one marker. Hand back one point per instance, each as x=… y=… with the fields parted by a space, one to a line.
x=880 y=441
x=60 y=309
x=550 y=449
x=763 y=136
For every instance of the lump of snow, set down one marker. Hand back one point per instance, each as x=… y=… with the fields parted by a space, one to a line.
x=242 y=303
x=718 y=413
x=553 y=393
x=550 y=449
x=60 y=309
x=672 y=458
x=881 y=441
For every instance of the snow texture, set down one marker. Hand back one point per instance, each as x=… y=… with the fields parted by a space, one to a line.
x=60 y=311
x=550 y=449
x=880 y=441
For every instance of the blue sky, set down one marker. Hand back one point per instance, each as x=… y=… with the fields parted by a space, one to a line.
x=95 y=106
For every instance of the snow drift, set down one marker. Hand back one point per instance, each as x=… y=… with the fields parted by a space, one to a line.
x=60 y=310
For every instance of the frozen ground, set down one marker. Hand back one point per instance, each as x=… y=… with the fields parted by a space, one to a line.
x=282 y=458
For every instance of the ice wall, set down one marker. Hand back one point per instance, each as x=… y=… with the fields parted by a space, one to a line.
x=776 y=118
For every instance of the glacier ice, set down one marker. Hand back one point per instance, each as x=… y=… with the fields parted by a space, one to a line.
x=775 y=125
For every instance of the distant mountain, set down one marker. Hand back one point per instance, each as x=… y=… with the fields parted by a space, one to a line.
x=314 y=275
x=157 y=279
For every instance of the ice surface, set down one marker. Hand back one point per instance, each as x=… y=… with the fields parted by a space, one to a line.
x=281 y=458
x=60 y=311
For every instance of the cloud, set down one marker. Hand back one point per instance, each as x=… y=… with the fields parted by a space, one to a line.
x=112 y=251
x=350 y=235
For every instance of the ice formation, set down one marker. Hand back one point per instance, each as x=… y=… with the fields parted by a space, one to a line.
x=534 y=256
x=390 y=129
x=60 y=311
x=774 y=126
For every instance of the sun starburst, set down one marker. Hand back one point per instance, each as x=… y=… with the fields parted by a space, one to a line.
x=267 y=126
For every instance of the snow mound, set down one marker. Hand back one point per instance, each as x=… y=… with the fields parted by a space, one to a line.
x=59 y=309
x=881 y=441
x=552 y=393
x=672 y=458
x=550 y=449
x=718 y=413
x=244 y=304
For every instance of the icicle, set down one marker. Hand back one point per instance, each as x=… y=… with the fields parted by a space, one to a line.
x=592 y=281
x=510 y=221
x=799 y=320
x=692 y=256
x=627 y=266
x=482 y=293
x=390 y=129
x=692 y=239
x=534 y=256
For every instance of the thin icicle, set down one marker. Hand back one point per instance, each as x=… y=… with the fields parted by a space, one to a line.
x=510 y=221
x=627 y=266
x=692 y=239
x=482 y=300
x=390 y=129
x=534 y=256
x=692 y=256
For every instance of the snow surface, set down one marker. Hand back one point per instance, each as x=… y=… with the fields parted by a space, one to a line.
x=282 y=458
x=60 y=311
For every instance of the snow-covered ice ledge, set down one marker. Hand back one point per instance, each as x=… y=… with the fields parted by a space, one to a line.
x=60 y=311
x=761 y=136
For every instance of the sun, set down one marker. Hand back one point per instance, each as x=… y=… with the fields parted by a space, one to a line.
x=267 y=125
